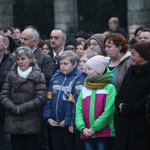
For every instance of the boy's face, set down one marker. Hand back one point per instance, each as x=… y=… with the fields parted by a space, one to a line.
x=66 y=66
x=82 y=64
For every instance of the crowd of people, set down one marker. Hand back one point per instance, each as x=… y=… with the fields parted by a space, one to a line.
x=75 y=92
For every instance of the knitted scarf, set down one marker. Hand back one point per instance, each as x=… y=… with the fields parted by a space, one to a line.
x=25 y=73
x=97 y=82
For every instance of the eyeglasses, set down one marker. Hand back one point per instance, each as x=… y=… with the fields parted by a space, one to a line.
x=93 y=44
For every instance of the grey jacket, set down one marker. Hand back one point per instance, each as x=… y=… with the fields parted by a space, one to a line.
x=121 y=70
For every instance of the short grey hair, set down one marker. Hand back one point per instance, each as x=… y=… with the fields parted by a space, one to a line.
x=34 y=33
x=5 y=39
x=25 y=50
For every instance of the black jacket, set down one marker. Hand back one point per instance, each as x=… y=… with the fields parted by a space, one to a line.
x=5 y=65
x=45 y=63
x=55 y=62
x=132 y=129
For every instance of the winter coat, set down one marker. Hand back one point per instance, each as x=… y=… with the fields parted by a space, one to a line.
x=120 y=70
x=29 y=96
x=58 y=97
x=5 y=65
x=95 y=109
x=132 y=129
x=45 y=63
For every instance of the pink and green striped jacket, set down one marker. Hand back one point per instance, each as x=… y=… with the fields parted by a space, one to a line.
x=95 y=109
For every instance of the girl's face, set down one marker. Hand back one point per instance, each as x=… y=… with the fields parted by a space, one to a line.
x=82 y=63
x=112 y=50
x=23 y=62
x=90 y=72
x=45 y=49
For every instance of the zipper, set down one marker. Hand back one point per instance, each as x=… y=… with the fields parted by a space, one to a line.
x=58 y=99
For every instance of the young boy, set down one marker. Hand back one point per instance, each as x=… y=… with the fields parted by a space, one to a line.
x=95 y=106
x=55 y=110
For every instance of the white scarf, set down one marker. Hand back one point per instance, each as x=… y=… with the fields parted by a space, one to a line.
x=25 y=73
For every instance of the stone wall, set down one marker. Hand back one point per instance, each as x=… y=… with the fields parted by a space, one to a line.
x=65 y=12
x=138 y=12
x=6 y=13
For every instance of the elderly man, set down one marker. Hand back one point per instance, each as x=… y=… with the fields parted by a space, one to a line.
x=30 y=38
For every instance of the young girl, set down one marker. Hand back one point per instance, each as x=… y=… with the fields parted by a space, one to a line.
x=95 y=106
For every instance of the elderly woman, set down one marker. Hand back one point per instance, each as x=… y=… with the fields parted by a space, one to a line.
x=132 y=128
x=117 y=50
x=22 y=96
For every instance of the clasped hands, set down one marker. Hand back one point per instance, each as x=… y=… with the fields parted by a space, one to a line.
x=88 y=132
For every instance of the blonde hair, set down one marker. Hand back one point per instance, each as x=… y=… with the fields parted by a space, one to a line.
x=89 y=54
x=73 y=58
x=115 y=20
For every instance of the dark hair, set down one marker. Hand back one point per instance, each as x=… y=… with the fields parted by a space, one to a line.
x=131 y=42
x=47 y=42
x=5 y=28
x=145 y=30
x=138 y=29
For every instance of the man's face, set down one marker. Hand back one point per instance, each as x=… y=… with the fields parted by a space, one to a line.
x=111 y=24
x=56 y=39
x=16 y=34
x=2 y=44
x=27 y=40
x=144 y=37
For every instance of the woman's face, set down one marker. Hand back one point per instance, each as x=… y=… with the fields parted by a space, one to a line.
x=94 y=46
x=112 y=50
x=79 y=49
x=136 y=58
x=23 y=62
